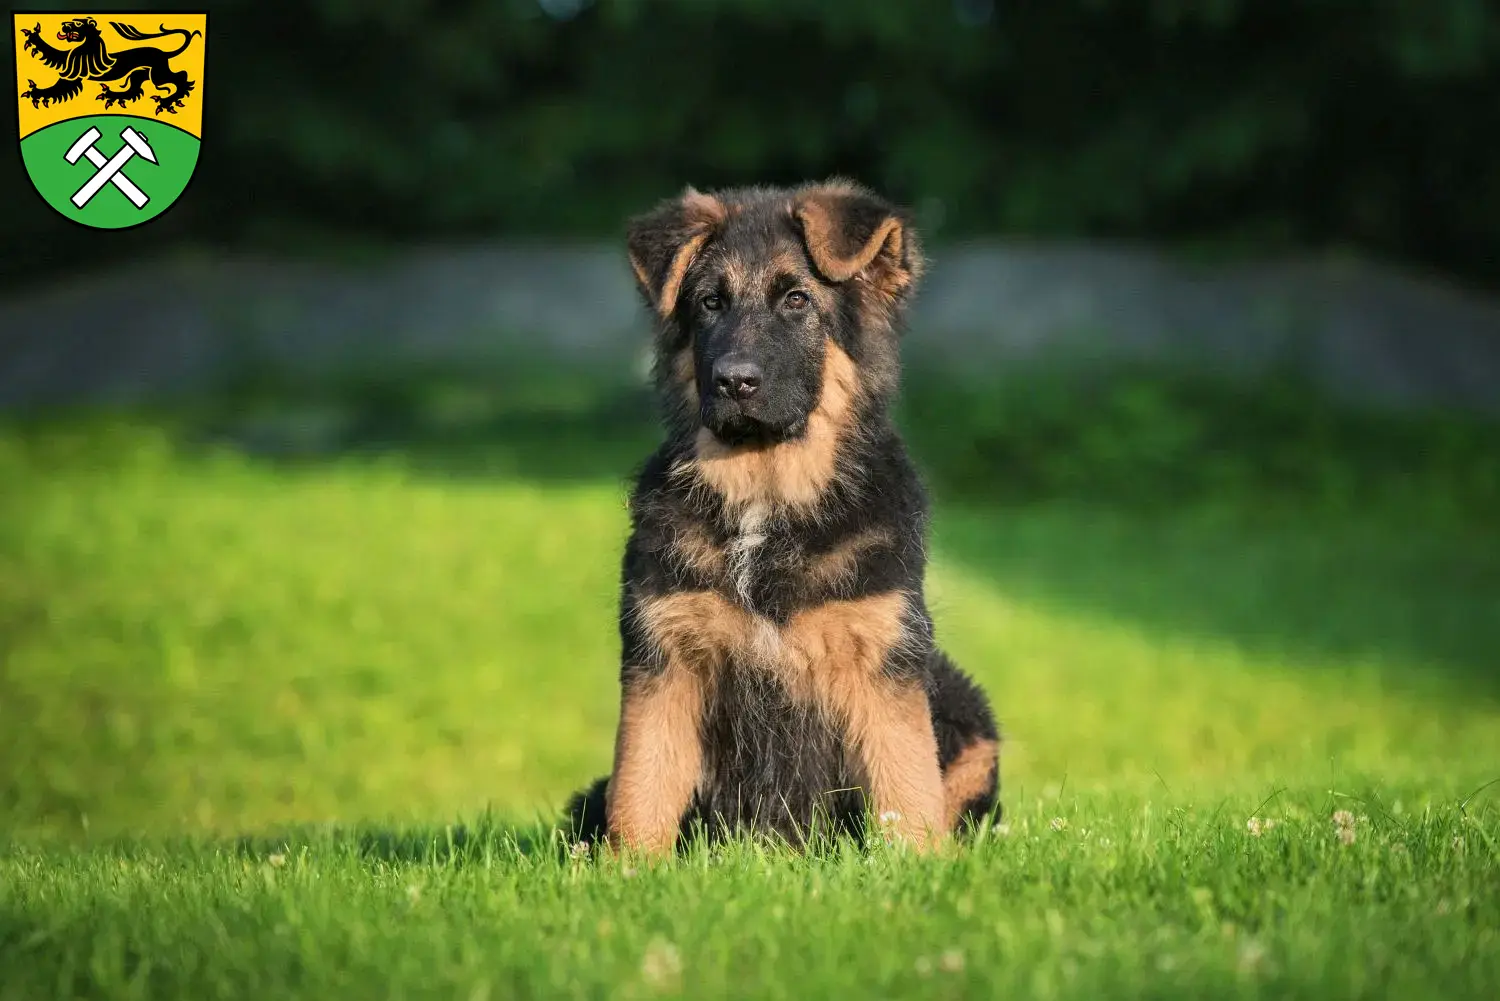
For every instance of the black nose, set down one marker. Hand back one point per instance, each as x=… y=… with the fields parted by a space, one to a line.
x=736 y=380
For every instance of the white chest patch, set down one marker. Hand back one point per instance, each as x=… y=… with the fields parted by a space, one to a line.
x=743 y=546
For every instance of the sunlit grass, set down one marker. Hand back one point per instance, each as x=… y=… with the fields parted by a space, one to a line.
x=1103 y=896
x=337 y=659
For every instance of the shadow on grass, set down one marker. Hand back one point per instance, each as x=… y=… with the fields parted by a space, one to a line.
x=1386 y=596
x=1269 y=516
x=538 y=425
x=489 y=840
x=485 y=840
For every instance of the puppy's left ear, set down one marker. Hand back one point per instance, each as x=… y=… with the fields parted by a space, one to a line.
x=662 y=244
x=851 y=233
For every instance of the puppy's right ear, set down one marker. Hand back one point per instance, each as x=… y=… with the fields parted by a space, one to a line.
x=663 y=242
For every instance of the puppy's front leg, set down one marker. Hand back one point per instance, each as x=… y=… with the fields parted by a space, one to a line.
x=899 y=754
x=658 y=757
x=859 y=656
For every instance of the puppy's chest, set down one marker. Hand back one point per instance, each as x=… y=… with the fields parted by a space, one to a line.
x=750 y=551
x=760 y=558
x=765 y=563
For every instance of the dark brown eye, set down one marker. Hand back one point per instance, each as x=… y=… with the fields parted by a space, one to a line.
x=713 y=303
x=796 y=299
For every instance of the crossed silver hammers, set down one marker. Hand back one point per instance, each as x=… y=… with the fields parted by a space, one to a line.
x=109 y=170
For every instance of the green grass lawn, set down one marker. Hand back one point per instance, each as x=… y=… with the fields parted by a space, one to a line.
x=294 y=725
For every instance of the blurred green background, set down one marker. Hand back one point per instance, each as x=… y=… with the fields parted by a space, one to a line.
x=1224 y=123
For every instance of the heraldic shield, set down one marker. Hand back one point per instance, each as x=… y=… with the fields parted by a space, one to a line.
x=111 y=110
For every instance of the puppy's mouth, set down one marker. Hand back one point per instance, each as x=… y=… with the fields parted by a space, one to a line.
x=743 y=431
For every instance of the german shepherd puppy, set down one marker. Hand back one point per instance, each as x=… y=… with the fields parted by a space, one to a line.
x=779 y=666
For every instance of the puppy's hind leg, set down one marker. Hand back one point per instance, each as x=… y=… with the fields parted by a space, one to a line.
x=968 y=745
x=587 y=821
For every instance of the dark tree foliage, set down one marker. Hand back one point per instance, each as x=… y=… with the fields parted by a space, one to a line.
x=1372 y=125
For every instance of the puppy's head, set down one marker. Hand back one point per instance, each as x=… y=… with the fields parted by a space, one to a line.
x=752 y=288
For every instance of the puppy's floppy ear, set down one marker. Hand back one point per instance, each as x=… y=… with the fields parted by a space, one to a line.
x=851 y=232
x=663 y=242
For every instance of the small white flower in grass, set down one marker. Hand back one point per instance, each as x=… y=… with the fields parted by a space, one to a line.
x=1255 y=826
x=1252 y=954
x=1059 y=824
x=579 y=849
x=661 y=965
x=952 y=961
x=1003 y=830
x=1343 y=818
x=1055 y=923
x=1346 y=835
x=890 y=818
x=277 y=859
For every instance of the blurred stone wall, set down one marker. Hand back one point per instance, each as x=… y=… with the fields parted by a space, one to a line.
x=1367 y=333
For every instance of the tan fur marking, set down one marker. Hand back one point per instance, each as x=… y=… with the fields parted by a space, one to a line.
x=891 y=726
x=794 y=473
x=640 y=272
x=842 y=642
x=752 y=276
x=737 y=275
x=696 y=551
x=969 y=775
x=889 y=262
x=658 y=760
x=819 y=229
x=707 y=207
x=817 y=654
x=836 y=568
x=698 y=629
x=687 y=379
x=681 y=261
x=783 y=262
